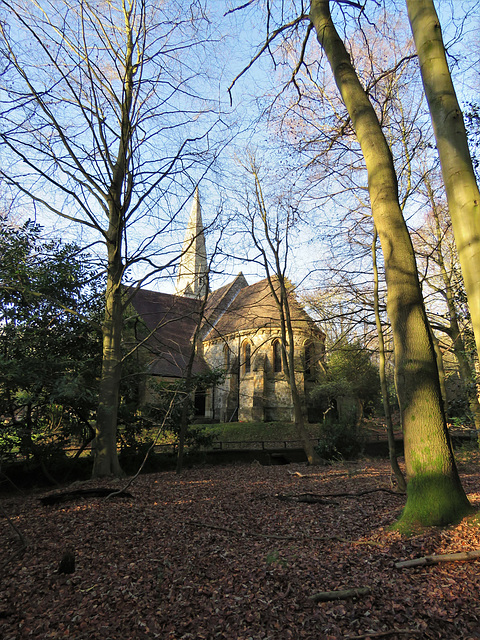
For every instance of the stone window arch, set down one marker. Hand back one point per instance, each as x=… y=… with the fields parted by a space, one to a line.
x=247 y=357
x=277 y=356
x=226 y=358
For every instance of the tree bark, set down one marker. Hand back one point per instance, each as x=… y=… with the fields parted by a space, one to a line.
x=458 y=175
x=105 y=460
x=392 y=451
x=434 y=493
x=454 y=332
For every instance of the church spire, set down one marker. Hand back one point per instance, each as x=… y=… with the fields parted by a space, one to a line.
x=193 y=269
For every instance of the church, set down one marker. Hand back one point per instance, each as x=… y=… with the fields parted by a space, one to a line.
x=235 y=328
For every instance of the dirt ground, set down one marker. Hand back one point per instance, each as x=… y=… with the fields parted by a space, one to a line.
x=231 y=552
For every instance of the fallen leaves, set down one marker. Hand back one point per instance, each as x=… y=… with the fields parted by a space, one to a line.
x=214 y=554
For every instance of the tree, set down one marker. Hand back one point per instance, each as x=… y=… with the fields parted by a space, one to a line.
x=382 y=371
x=461 y=187
x=97 y=127
x=50 y=343
x=434 y=492
x=443 y=284
x=351 y=373
x=270 y=235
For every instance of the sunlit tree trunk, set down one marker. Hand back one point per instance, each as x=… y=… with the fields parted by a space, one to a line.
x=289 y=360
x=434 y=493
x=460 y=184
x=105 y=460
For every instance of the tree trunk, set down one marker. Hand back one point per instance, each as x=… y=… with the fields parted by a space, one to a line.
x=106 y=461
x=434 y=494
x=464 y=367
x=392 y=450
x=460 y=184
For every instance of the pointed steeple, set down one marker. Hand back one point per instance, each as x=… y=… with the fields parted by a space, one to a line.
x=193 y=269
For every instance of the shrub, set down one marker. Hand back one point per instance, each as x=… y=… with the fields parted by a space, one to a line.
x=340 y=441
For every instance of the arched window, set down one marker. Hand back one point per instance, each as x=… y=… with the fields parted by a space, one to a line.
x=309 y=358
x=247 y=357
x=226 y=358
x=277 y=356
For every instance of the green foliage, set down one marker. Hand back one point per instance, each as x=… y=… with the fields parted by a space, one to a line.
x=171 y=399
x=274 y=558
x=49 y=343
x=350 y=373
x=340 y=441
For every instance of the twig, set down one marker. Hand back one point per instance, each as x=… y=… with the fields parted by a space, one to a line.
x=319 y=497
x=384 y=634
x=435 y=559
x=309 y=498
x=20 y=535
x=149 y=450
x=253 y=534
x=21 y=539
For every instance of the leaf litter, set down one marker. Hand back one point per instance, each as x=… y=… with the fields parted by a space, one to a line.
x=214 y=553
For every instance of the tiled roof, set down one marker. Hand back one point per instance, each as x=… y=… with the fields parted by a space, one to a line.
x=171 y=321
x=233 y=308
x=255 y=308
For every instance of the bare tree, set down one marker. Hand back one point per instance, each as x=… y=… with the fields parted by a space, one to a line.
x=270 y=236
x=98 y=103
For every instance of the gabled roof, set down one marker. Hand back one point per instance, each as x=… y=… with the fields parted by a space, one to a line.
x=171 y=321
x=255 y=308
x=235 y=307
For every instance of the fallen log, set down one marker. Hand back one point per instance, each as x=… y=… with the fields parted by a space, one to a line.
x=435 y=559
x=344 y=594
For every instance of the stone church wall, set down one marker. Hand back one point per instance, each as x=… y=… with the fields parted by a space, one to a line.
x=256 y=392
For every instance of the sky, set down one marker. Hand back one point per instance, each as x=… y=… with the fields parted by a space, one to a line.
x=238 y=36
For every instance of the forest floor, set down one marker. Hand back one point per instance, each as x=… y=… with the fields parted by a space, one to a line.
x=228 y=552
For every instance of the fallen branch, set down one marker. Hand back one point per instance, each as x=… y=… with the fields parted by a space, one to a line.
x=435 y=559
x=384 y=634
x=326 y=596
x=66 y=496
x=268 y=536
x=309 y=498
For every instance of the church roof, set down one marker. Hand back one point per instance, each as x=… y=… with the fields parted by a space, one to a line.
x=171 y=321
x=254 y=308
x=235 y=307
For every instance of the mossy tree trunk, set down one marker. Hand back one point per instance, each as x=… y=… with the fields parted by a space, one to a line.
x=434 y=493
x=458 y=175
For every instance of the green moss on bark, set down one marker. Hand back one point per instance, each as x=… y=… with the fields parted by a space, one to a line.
x=433 y=500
